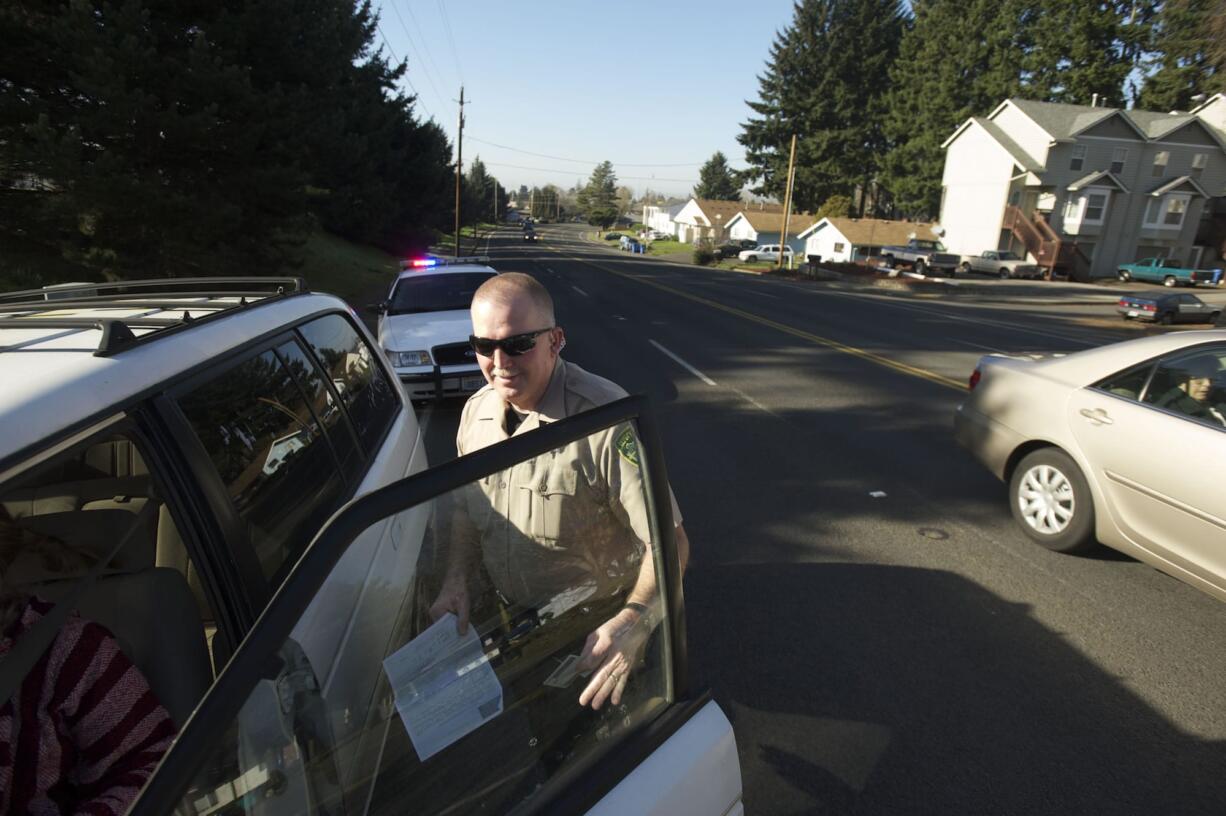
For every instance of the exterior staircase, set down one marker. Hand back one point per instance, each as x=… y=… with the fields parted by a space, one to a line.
x=1056 y=255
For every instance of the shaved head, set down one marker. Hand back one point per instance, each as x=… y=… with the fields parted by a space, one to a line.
x=515 y=288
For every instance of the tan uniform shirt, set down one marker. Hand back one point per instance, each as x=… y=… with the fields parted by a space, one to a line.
x=574 y=517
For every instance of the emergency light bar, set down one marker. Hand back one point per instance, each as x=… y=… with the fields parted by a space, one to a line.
x=431 y=261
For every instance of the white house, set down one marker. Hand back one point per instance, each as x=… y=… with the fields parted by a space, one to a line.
x=854 y=239
x=708 y=219
x=1083 y=189
x=763 y=227
x=660 y=218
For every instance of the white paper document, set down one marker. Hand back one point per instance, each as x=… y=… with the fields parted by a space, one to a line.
x=444 y=685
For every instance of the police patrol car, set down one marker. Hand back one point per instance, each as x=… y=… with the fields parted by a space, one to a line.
x=424 y=326
x=248 y=494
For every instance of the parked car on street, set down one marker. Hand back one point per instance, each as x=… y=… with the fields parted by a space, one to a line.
x=654 y=235
x=225 y=475
x=1167 y=309
x=1164 y=271
x=733 y=249
x=424 y=326
x=1001 y=263
x=923 y=256
x=766 y=252
x=613 y=236
x=1125 y=444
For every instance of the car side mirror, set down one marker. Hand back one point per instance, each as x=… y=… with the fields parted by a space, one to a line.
x=377 y=308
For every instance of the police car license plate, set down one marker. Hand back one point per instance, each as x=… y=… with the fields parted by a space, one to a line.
x=471 y=383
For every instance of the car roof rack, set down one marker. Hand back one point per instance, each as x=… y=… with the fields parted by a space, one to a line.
x=43 y=308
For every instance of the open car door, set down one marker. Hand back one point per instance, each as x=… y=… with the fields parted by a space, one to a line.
x=485 y=718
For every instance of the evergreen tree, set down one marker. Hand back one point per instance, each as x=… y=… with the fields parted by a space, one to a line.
x=1074 y=50
x=824 y=82
x=716 y=180
x=1189 y=58
x=958 y=58
x=479 y=194
x=599 y=198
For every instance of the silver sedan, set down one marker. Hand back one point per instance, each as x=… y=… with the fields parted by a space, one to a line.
x=1123 y=444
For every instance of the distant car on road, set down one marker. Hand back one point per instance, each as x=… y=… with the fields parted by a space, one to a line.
x=1002 y=263
x=733 y=249
x=529 y=234
x=1167 y=309
x=1162 y=270
x=765 y=252
x=1125 y=443
x=614 y=236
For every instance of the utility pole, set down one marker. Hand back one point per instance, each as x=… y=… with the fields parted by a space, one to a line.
x=495 y=201
x=459 y=167
x=787 y=202
x=557 y=205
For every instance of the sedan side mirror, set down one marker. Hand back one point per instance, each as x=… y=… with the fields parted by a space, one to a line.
x=377 y=308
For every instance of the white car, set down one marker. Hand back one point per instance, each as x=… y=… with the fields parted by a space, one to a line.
x=424 y=326
x=766 y=252
x=1125 y=444
x=226 y=472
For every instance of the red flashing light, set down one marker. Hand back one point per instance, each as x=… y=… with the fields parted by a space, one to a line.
x=420 y=263
x=976 y=375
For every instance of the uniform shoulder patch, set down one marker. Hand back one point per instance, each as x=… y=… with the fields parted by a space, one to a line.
x=628 y=447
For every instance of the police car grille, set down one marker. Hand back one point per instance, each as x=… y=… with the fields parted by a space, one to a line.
x=454 y=354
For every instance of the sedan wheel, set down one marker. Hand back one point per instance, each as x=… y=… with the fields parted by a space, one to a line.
x=1051 y=501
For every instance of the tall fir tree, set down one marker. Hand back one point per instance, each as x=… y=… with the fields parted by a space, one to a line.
x=825 y=82
x=1188 y=57
x=599 y=198
x=1075 y=51
x=716 y=180
x=958 y=58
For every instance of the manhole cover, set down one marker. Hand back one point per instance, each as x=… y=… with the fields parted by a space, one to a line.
x=933 y=533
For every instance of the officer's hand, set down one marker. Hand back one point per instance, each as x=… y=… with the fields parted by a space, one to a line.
x=615 y=647
x=453 y=597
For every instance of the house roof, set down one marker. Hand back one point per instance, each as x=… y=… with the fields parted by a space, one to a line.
x=713 y=211
x=1175 y=184
x=1064 y=122
x=773 y=221
x=1092 y=179
x=1015 y=151
x=876 y=231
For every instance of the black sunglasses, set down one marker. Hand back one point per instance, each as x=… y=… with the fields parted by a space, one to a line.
x=514 y=345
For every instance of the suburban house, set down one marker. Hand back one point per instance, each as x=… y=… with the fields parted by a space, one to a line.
x=763 y=227
x=702 y=219
x=854 y=239
x=1081 y=189
x=660 y=218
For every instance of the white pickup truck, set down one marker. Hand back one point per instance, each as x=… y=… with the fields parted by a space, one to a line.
x=1002 y=263
x=766 y=252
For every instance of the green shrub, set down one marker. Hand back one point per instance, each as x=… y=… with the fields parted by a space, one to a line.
x=704 y=255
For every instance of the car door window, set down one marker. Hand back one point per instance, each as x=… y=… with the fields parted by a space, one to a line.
x=271 y=451
x=1128 y=384
x=1192 y=385
x=549 y=544
x=357 y=375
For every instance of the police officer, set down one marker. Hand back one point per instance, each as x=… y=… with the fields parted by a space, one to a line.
x=559 y=521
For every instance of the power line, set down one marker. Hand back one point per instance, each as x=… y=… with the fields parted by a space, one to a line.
x=416 y=96
x=451 y=39
x=572 y=172
x=578 y=161
x=420 y=59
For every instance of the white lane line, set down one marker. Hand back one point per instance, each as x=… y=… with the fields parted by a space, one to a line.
x=684 y=364
x=974 y=345
x=580 y=291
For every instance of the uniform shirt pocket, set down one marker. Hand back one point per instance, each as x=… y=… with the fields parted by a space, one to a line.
x=551 y=498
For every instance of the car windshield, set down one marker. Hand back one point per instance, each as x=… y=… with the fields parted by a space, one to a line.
x=436 y=293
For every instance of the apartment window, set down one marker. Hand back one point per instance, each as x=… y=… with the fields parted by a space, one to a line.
x=1079 y=157
x=1175 y=209
x=1118 y=159
x=1198 y=164
x=1161 y=158
x=1096 y=204
x=1072 y=209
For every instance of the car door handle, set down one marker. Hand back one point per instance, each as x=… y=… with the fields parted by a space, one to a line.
x=1097 y=415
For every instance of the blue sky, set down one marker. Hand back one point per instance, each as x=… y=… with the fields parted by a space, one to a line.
x=638 y=83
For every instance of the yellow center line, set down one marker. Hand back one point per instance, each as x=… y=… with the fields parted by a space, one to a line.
x=835 y=345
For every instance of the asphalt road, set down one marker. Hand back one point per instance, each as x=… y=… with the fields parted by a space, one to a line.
x=909 y=652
